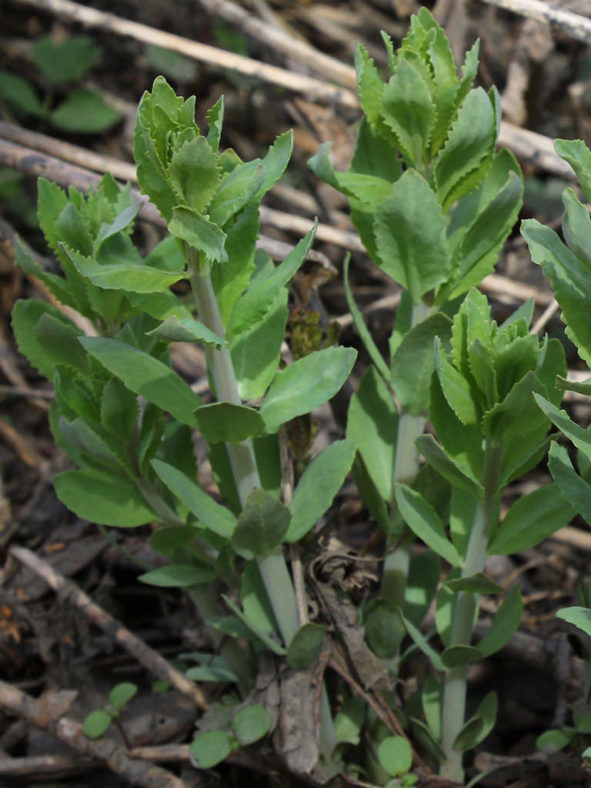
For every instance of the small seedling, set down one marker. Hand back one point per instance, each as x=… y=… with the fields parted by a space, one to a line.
x=96 y=723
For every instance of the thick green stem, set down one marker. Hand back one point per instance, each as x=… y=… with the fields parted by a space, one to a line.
x=455 y=686
x=406 y=466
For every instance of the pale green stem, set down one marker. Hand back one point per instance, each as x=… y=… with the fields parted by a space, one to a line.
x=273 y=568
x=455 y=685
x=406 y=466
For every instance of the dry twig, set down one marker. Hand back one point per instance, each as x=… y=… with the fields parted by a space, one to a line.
x=149 y=658
x=574 y=25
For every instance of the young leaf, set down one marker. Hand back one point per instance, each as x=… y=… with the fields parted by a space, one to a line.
x=103 y=498
x=145 y=375
x=261 y=526
x=530 y=520
x=224 y=422
x=505 y=624
x=199 y=232
x=178 y=576
x=211 y=748
x=456 y=475
x=214 y=516
x=25 y=316
x=305 y=646
x=186 y=329
x=410 y=235
x=306 y=384
x=321 y=481
x=425 y=523
x=122 y=693
x=194 y=174
x=96 y=723
x=251 y=724
x=395 y=755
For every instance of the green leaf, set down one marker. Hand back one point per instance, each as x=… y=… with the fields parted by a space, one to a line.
x=146 y=376
x=167 y=539
x=249 y=626
x=477 y=728
x=214 y=516
x=349 y=720
x=423 y=644
x=423 y=578
x=305 y=646
x=320 y=483
x=505 y=624
x=369 y=189
x=361 y=327
x=251 y=724
x=119 y=410
x=25 y=317
x=199 y=232
x=580 y=436
x=573 y=487
x=306 y=384
x=550 y=742
x=211 y=748
x=424 y=521
x=457 y=390
x=407 y=109
x=237 y=189
x=456 y=656
x=478 y=583
x=84 y=112
x=96 y=723
x=255 y=600
x=275 y=162
x=411 y=237
x=65 y=61
x=19 y=94
x=224 y=422
x=457 y=475
x=178 y=576
x=231 y=279
x=102 y=498
x=414 y=362
x=186 y=329
x=395 y=755
x=372 y=424
x=578 y=155
x=427 y=740
x=384 y=629
x=374 y=156
x=579 y=617
x=369 y=85
x=261 y=526
x=194 y=174
x=576 y=227
x=530 y=520
x=432 y=701
x=122 y=693
x=171 y=63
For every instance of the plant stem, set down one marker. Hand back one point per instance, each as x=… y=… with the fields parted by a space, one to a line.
x=455 y=685
x=406 y=466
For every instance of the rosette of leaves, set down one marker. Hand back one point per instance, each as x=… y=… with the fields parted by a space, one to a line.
x=489 y=433
x=566 y=262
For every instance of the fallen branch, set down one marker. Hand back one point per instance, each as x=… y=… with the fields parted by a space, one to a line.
x=574 y=25
x=149 y=658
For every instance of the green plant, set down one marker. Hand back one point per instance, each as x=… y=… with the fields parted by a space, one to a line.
x=125 y=416
x=62 y=64
x=97 y=722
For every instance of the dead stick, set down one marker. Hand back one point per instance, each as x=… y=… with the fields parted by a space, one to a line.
x=149 y=658
x=574 y=25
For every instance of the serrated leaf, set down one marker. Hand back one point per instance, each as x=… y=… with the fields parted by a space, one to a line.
x=369 y=189
x=194 y=174
x=178 y=576
x=236 y=191
x=306 y=384
x=186 y=329
x=457 y=390
x=84 y=112
x=425 y=523
x=199 y=232
x=214 y=516
x=261 y=526
x=318 y=486
x=573 y=488
x=530 y=520
x=369 y=85
x=412 y=248
x=107 y=499
x=505 y=624
x=578 y=155
x=224 y=422
x=305 y=646
x=374 y=156
x=146 y=376
x=25 y=316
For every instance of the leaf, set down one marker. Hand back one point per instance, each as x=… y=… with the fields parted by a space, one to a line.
x=306 y=384
x=67 y=60
x=122 y=693
x=423 y=578
x=410 y=236
x=579 y=617
x=455 y=474
x=457 y=656
x=251 y=724
x=178 y=576
x=257 y=607
x=432 y=701
x=477 y=728
x=372 y=424
x=19 y=94
x=384 y=629
x=374 y=156
x=84 y=112
x=580 y=436
x=146 y=376
x=349 y=720
x=214 y=516
x=261 y=526
x=369 y=189
x=210 y=748
x=578 y=155
x=553 y=741
x=414 y=362
x=457 y=390
x=25 y=317
x=275 y=162
x=96 y=723
x=167 y=539
x=427 y=740
x=106 y=499
x=423 y=644
x=424 y=521
x=573 y=488
x=199 y=232
x=407 y=109
x=237 y=190
x=305 y=646
x=478 y=583
x=395 y=755
x=505 y=624
x=231 y=279
x=320 y=483
x=369 y=85
x=194 y=174
x=530 y=520
x=249 y=626
x=224 y=422
x=361 y=327
x=119 y=410
x=186 y=329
